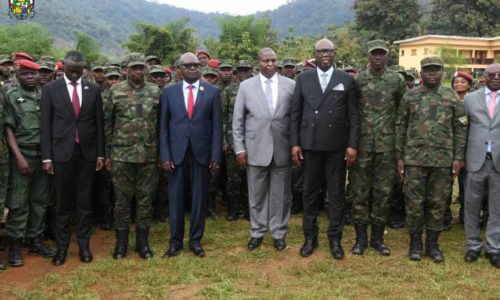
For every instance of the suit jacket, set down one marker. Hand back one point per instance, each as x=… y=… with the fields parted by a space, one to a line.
x=203 y=131
x=263 y=135
x=59 y=122
x=481 y=129
x=326 y=121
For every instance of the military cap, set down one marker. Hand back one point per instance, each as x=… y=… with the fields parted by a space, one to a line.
x=279 y=63
x=26 y=64
x=290 y=61
x=225 y=63
x=151 y=57
x=209 y=71
x=5 y=58
x=167 y=70
x=98 y=67
x=156 y=69
x=115 y=63
x=410 y=73
x=112 y=71
x=47 y=65
x=244 y=64
x=431 y=61
x=377 y=44
x=213 y=63
x=198 y=52
x=349 y=69
x=22 y=55
x=135 y=59
x=47 y=58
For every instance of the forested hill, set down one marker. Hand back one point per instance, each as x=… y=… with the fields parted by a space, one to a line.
x=109 y=22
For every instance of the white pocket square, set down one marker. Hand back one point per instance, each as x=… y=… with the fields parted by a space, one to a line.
x=338 y=87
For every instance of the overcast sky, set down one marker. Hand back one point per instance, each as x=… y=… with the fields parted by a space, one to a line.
x=233 y=7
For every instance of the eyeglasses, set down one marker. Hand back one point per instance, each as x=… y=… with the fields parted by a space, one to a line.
x=191 y=65
x=324 y=51
x=493 y=75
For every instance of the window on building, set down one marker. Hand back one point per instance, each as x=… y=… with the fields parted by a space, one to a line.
x=413 y=52
x=402 y=53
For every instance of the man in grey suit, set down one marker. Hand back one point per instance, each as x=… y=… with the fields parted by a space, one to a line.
x=261 y=138
x=483 y=166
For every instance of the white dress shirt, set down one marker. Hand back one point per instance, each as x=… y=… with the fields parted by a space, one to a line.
x=69 y=86
x=274 y=87
x=185 y=90
x=487 y=91
x=328 y=73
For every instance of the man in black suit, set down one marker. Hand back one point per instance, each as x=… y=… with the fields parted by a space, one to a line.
x=72 y=137
x=324 y=136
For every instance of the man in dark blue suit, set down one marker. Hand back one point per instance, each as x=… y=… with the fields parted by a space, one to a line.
x=190 y=141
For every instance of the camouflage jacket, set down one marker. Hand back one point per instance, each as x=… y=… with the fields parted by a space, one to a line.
x=131 y=120
x=4 y=152
x=431 y=127
x=228 y=97
x=379 y=97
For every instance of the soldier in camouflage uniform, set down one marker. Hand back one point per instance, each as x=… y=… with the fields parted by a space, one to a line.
x=131 y=117
x=431 y=130
x=29 y=185
x=371 y=177
x=4 y=163
x=46 y=73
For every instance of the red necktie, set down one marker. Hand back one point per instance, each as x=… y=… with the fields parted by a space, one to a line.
x=76 y=108
x=190 y=101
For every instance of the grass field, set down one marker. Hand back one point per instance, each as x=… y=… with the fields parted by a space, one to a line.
x=230 y=271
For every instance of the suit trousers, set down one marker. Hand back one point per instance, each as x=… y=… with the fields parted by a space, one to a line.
x=320 y=167
x=269 y=195
x=178 y=181
x=475 y=187
x=74 y=182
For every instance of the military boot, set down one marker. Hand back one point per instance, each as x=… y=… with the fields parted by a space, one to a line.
x=361 y=239
x=377 y=240
x=37 y=247
x=415 y=251
x=432 y=247
x=15 y=256
x=142 y=244
x=121 y=246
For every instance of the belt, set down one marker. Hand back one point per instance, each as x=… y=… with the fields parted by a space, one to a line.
x=488 y=156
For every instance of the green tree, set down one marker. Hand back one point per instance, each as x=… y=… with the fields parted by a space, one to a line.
x=168 y=41
x=88 y=47
x=465 y=17
x=451 y=57
x=26 y=37
x=388 y=20
x=299 y=47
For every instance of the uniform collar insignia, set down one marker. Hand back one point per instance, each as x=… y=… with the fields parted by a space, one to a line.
x=21 y=100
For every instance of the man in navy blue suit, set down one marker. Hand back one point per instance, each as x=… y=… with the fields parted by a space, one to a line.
x=190 y=141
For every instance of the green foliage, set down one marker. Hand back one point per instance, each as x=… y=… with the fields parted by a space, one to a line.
x=88 y=47
x=299 y=47
x=168 y=41
x=465 y=17
x=451 y=58
x=26 y=37
x=242 y=37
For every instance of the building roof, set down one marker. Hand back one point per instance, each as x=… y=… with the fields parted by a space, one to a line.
x=454 y=37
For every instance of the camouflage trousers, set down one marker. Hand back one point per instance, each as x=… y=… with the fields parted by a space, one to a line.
x=133 y=181
x=4 y=180
x=28 y=198
x=371 y=182
x=426 y=191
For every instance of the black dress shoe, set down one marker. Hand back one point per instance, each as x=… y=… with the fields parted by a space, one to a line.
x=59 y=259
x=86 y=256
x=308 y=247
x=254 y=243
x=172 y=251
x=336 y=249
x=197 y=250
x=494 y=259
x=39 y=248
x=472 y=255
x=279 y=244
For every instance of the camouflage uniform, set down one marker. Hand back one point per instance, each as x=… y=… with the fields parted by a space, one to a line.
x=28 y=195
x=430 y=135
x=4 y=158
x=372 y=177
x=131 y=116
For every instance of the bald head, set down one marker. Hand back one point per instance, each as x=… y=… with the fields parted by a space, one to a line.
x=324 y=44
x=188 y=58
x=324 y=54
x=493 y=77
x=265 y=51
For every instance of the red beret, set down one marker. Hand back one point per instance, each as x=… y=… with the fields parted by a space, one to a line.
x=465 y=75
x=167 y=70
x=213 y=63
x=203 y=52
x=26 y=64
x=22 y=55
x=60 y=65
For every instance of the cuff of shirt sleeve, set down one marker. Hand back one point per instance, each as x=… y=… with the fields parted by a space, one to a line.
x=240 y=152
x=46 y=161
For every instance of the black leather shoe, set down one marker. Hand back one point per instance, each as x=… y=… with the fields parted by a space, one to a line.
x=494 y=259
x=172 y=251
x=197 y=250
x=59 y=259
x=254 y=243
x=279 y=244
x=336 y=249
x=308 y=247
x=472 y=256
x=39 y=248
x=86 y=256
x=15 y=256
